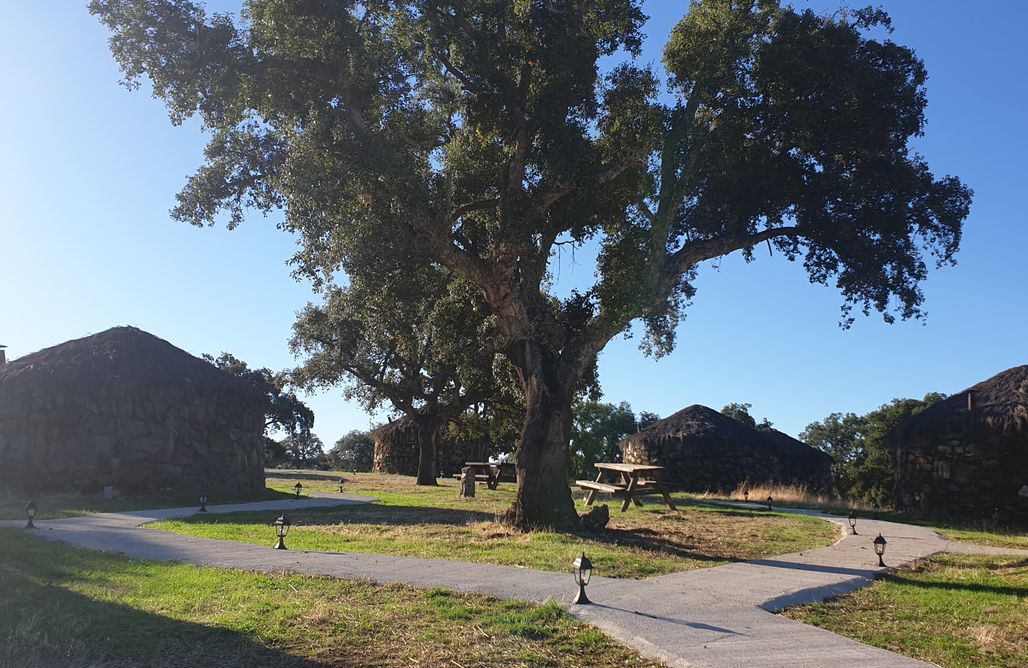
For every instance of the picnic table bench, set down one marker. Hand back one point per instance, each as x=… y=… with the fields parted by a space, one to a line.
x=484 y=472
x=631 y=481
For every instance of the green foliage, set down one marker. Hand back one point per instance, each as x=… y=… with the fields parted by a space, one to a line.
x=301 y=451
x=864 y=467
x=284 y=411
x=353 y=452
x=741 y=413
x=595 y=433
x=480 y=134
x=412 y=337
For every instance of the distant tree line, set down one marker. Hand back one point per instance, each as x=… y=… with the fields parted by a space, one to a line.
x=864 y=468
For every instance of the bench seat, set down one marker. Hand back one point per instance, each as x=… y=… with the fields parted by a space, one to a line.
x=479 y=477
x=600 y=486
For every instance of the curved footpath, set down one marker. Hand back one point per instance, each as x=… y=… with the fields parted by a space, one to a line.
x=719 y=616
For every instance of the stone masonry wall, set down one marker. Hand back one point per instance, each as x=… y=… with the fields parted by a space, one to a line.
x=160 y=439
x=402 y=457
x=965 y=476
x=699 y=465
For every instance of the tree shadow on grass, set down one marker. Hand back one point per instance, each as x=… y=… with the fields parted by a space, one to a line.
x=1005 y=590
x=356 y=514
x=304 y=475
x=44 y=624
x=653 y=540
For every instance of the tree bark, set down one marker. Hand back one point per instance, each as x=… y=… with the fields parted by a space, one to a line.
x=427 y=429
x=543 y=495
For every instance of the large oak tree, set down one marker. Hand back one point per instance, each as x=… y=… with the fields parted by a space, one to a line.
x=485 y=132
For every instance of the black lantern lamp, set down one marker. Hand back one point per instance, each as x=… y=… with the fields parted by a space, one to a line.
x=583 y=569
x=340 y=484
x=203 y=503
x=30 y=511
x=298 y=487
x=879 y=544
x=281 y=525
x=770 y=500
x=853 y=522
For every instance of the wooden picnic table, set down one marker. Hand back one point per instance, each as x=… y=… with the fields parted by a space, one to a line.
x=632 y=481
x=484 y=471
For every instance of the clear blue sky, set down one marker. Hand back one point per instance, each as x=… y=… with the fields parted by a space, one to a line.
x=89 y=171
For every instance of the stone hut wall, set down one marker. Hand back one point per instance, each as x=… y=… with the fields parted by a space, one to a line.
x=397 y=452
x=162 y=439
x=966 y=475
x=701 y=464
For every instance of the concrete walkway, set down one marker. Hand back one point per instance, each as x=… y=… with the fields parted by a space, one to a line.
x=718 y=616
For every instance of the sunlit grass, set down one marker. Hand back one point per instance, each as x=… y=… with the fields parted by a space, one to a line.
x=434 y=522
x=71 y=608
x=957 y=611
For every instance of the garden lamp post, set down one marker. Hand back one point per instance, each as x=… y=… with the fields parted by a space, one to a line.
x=583 y=569
x=340 y=484
x=770 y=500
x=853 y=522
x=879 y=544
x=30 y=511
x=203 y=503
x=746 y=495
x=298 y=487
x=281 y=525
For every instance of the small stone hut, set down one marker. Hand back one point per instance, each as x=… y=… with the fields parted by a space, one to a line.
x=397 y=450
x=701 y=449
x=126 y=409
x=967 y=455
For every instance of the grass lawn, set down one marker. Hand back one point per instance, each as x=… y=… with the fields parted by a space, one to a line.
x=434 y=522
x=980 y=534
x=56 y=506
x=956 y=610
x=60 y=606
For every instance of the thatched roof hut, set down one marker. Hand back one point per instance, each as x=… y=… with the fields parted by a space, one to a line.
x=397 y=450
x=967 y=455
x=701 y=449
x=127 y=409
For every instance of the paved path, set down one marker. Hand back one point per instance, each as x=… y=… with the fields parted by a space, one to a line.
x=718 y=616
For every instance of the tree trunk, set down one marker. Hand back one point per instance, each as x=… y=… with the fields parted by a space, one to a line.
x=543 y=496
x=427 y=429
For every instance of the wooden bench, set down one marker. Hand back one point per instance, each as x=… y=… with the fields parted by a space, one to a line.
x=635 y=479
x=600 y=486
x=479 y=477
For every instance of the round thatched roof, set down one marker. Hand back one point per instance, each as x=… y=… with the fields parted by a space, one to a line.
x=124 y=356
x=997 y=404
x=391 y=431
x=699 y=422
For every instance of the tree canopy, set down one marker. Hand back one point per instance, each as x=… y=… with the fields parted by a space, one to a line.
x=864 y=466
x=741 y=413
x=284 y=411
x=485 y=133
x=355 y=451
x=411 y=338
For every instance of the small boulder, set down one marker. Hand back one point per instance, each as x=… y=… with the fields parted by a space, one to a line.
x=596 y=519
